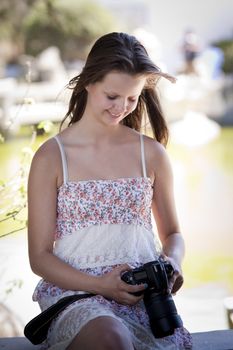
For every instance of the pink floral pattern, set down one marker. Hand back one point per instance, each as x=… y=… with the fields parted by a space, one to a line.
x=85 y=203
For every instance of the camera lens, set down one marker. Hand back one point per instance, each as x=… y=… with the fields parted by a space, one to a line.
x=162 y=314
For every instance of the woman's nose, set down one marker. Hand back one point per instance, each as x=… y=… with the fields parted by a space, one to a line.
x=120 y=107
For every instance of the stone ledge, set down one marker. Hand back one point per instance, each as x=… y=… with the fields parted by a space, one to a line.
x=212 y=340
x=17 y=343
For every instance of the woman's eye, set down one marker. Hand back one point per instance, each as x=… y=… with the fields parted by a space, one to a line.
x=115 y=97
x=111 y=97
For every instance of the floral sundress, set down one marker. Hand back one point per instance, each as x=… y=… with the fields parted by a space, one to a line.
x=100 y=225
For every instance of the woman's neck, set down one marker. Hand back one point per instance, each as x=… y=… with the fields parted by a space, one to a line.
x=95 y=130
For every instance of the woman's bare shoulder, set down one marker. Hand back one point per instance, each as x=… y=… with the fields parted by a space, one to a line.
x=154 y=148
x=157 y=159
x=47 y=149
x=47 y=156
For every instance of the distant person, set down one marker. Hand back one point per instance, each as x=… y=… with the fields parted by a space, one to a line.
x=190 y=48
x=13 y=68
x=90 y=194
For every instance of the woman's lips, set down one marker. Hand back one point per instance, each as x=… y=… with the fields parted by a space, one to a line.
x=115 y=115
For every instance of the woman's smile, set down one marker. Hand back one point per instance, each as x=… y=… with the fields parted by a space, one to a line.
x=116 y=116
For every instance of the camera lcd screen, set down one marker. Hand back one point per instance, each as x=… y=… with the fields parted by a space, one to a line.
x=140 y=275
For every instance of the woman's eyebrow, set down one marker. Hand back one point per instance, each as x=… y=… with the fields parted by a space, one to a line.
x=111 y=93
x=117 y=95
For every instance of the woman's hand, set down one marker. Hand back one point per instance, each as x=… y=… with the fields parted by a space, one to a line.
x=111 y=286
x=177 y=280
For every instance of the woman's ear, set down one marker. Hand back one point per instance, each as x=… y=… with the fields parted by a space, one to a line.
x=89 y=87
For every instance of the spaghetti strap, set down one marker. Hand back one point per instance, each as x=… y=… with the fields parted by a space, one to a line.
x=143 y=156
x=63 y=158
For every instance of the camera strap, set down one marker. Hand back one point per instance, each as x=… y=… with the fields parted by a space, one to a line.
x=36 y=330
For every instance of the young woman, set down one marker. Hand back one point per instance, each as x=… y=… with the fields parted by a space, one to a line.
x=91 y=192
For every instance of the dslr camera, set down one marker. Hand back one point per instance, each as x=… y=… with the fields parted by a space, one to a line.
x=158 y=300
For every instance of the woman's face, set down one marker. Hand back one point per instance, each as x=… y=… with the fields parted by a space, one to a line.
x=113 y=98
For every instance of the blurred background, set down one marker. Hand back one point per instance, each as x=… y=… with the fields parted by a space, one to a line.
x=43 y=43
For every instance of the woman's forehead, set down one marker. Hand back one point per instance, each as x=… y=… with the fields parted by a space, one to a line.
x=122 y=81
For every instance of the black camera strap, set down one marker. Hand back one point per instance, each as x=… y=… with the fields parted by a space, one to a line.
x=36 y=330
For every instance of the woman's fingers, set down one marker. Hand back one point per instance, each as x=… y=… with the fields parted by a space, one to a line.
x=177 y=280
x=134 y=288
x=122 y=268
x=177 y=284
x=123 y=292
x=130 y=299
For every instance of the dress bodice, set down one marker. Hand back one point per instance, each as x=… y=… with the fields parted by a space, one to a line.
x=104 y=222
x=95 y=202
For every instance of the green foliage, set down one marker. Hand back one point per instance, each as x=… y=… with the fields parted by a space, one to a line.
x=12 y=15
x=13 y=189
x=227 y=48
x=70 y=25
x=2 y=139
x=11 y=285
x=46 y=126
x=13 y=193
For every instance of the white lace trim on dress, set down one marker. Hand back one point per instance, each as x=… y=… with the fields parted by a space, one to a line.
x=122 y=243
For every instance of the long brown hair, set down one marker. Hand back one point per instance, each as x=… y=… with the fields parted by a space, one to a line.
x=123 y=53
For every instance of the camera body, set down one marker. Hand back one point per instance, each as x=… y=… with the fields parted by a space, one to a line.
x=158 y=301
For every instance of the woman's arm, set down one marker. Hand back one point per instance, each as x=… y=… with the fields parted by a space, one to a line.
x=44 y=179
x=42 y=199
x=164 y=211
